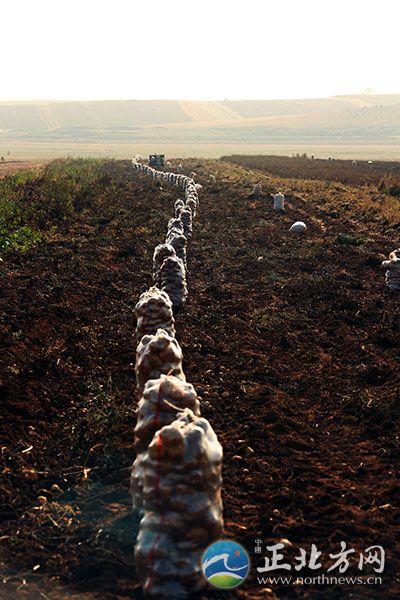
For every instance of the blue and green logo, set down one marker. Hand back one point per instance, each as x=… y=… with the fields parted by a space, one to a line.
x=225 y=564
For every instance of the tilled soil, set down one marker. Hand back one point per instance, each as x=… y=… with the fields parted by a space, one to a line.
x=10 y=166
x=291 y=342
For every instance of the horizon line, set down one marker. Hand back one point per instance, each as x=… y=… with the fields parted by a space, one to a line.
x=227 y=99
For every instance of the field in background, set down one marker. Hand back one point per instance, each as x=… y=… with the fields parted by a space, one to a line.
x=384 y=175
x=29 y=150
x=114 y=114
x=365 y=126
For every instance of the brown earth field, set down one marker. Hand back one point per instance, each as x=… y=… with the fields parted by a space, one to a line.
x=10 y=166
x=384 y=175
x=291 y=342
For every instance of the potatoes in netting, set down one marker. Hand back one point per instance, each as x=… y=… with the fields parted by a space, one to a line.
x=161 y=252
x=173 y=281
x=157 y=355
x=153 y=312
x=182 y=508
x=161 y=400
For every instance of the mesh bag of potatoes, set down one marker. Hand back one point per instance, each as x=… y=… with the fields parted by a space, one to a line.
x=161 y=252
x=183 y=181
x=153 y=312
x=279 y=202
x=186 y=218
x=182 y=508
x=158 y=406
x=175 y=224
x=192 y=197
x=191 y=205
x=392 y=266
x=190 y=186
x=156 y=355
x=178 y=206
x=173 y=281
x=257 y=190
x=178 y=241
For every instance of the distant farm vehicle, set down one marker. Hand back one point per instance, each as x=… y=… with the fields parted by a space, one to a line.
x=157 y=160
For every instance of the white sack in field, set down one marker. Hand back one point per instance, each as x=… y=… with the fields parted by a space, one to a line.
x=298 y=227
x=392 y=266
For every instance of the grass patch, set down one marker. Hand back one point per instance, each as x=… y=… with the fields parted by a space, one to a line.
x=347 y=239
x=35 y=202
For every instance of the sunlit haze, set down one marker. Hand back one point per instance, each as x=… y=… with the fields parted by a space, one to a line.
x=213 y=49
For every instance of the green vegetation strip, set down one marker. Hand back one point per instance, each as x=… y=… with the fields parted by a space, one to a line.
x=34 y=203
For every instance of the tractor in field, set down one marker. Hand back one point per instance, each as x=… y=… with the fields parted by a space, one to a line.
x=157 y=161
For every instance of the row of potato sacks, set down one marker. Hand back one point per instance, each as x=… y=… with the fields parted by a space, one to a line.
x=176 y=477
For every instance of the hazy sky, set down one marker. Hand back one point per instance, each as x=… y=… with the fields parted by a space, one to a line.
x=210 y=49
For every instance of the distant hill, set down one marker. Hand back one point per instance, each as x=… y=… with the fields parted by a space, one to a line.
x=359 y=118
